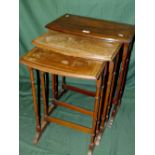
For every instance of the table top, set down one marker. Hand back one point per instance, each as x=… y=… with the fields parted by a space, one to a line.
x=78 y=46
x=96 y=28
x=55 y=63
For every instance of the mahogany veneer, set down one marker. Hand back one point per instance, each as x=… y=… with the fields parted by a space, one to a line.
x=55 y=63
x=87 y=48
x=78 y=46
x=96 y=28
x=103 y=30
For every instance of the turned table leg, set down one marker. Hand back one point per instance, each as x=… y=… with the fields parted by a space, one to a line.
x=36 y=110
x=109 y=106
x=44 y=94
x=106 y=99
x=95 y=114
x=97 y=141
x=40 y=125
x=121 y=82
x=54 y=86
x=63 y=82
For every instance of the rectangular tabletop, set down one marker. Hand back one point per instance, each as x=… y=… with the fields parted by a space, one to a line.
x=78 y=46
x=55 y=63
x=96 y=28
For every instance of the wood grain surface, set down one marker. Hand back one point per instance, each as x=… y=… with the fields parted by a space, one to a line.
x=96 y=28
x=78 y=46
x=49 y=61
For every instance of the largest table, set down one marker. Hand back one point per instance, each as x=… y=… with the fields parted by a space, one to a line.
x=104 y=30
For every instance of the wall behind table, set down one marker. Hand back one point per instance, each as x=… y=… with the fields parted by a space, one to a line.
x=35 y=14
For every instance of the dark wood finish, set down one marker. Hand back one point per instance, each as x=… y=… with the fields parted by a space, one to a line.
x=95 y=114
x=101 y=100
x=44 y=94
x=99 y=29
x=112 y=87
x=69 y=106
x=73 y=55
x=54 y=86
x=82 y=91
x=121 y=74
x=63 y=82
x=96 y=28
x=119 y=91
x=107 y=95
x=51 y=62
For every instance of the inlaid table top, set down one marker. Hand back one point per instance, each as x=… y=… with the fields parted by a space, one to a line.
x=86 y=26
x=55 y=63
x=78 y=46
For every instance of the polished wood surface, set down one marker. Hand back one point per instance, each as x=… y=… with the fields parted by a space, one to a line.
x=78 y=46
x=48 y=61
x=96 y=28
x=104 y=30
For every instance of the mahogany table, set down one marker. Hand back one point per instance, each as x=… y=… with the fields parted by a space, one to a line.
x=88 y=48
x=104 y=30
x=55 y=63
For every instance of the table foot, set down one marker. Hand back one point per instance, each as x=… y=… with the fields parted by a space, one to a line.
x=113 y=115
x=91 y=148
x=97 y=141
x=36 y=138
x=99 y=136
x=43 y=126
x=38 y=134
x=90 y=152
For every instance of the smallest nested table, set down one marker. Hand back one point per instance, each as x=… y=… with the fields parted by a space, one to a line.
x=58 y=64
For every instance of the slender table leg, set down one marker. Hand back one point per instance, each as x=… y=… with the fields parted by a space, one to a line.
x=64 y=90
x=107 y=95
x=125 y=70
x=54 y=86
x=38 y=127
x=36 y=110
x=95 y=113
x=44 y=94
x=121 y=82
x=101 y=104
x=112 y=89
x=63 y=81
x=46 y=75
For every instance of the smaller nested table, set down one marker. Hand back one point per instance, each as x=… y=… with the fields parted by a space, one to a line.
x=77 y=57
x=58 y=64
x=88 y=48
